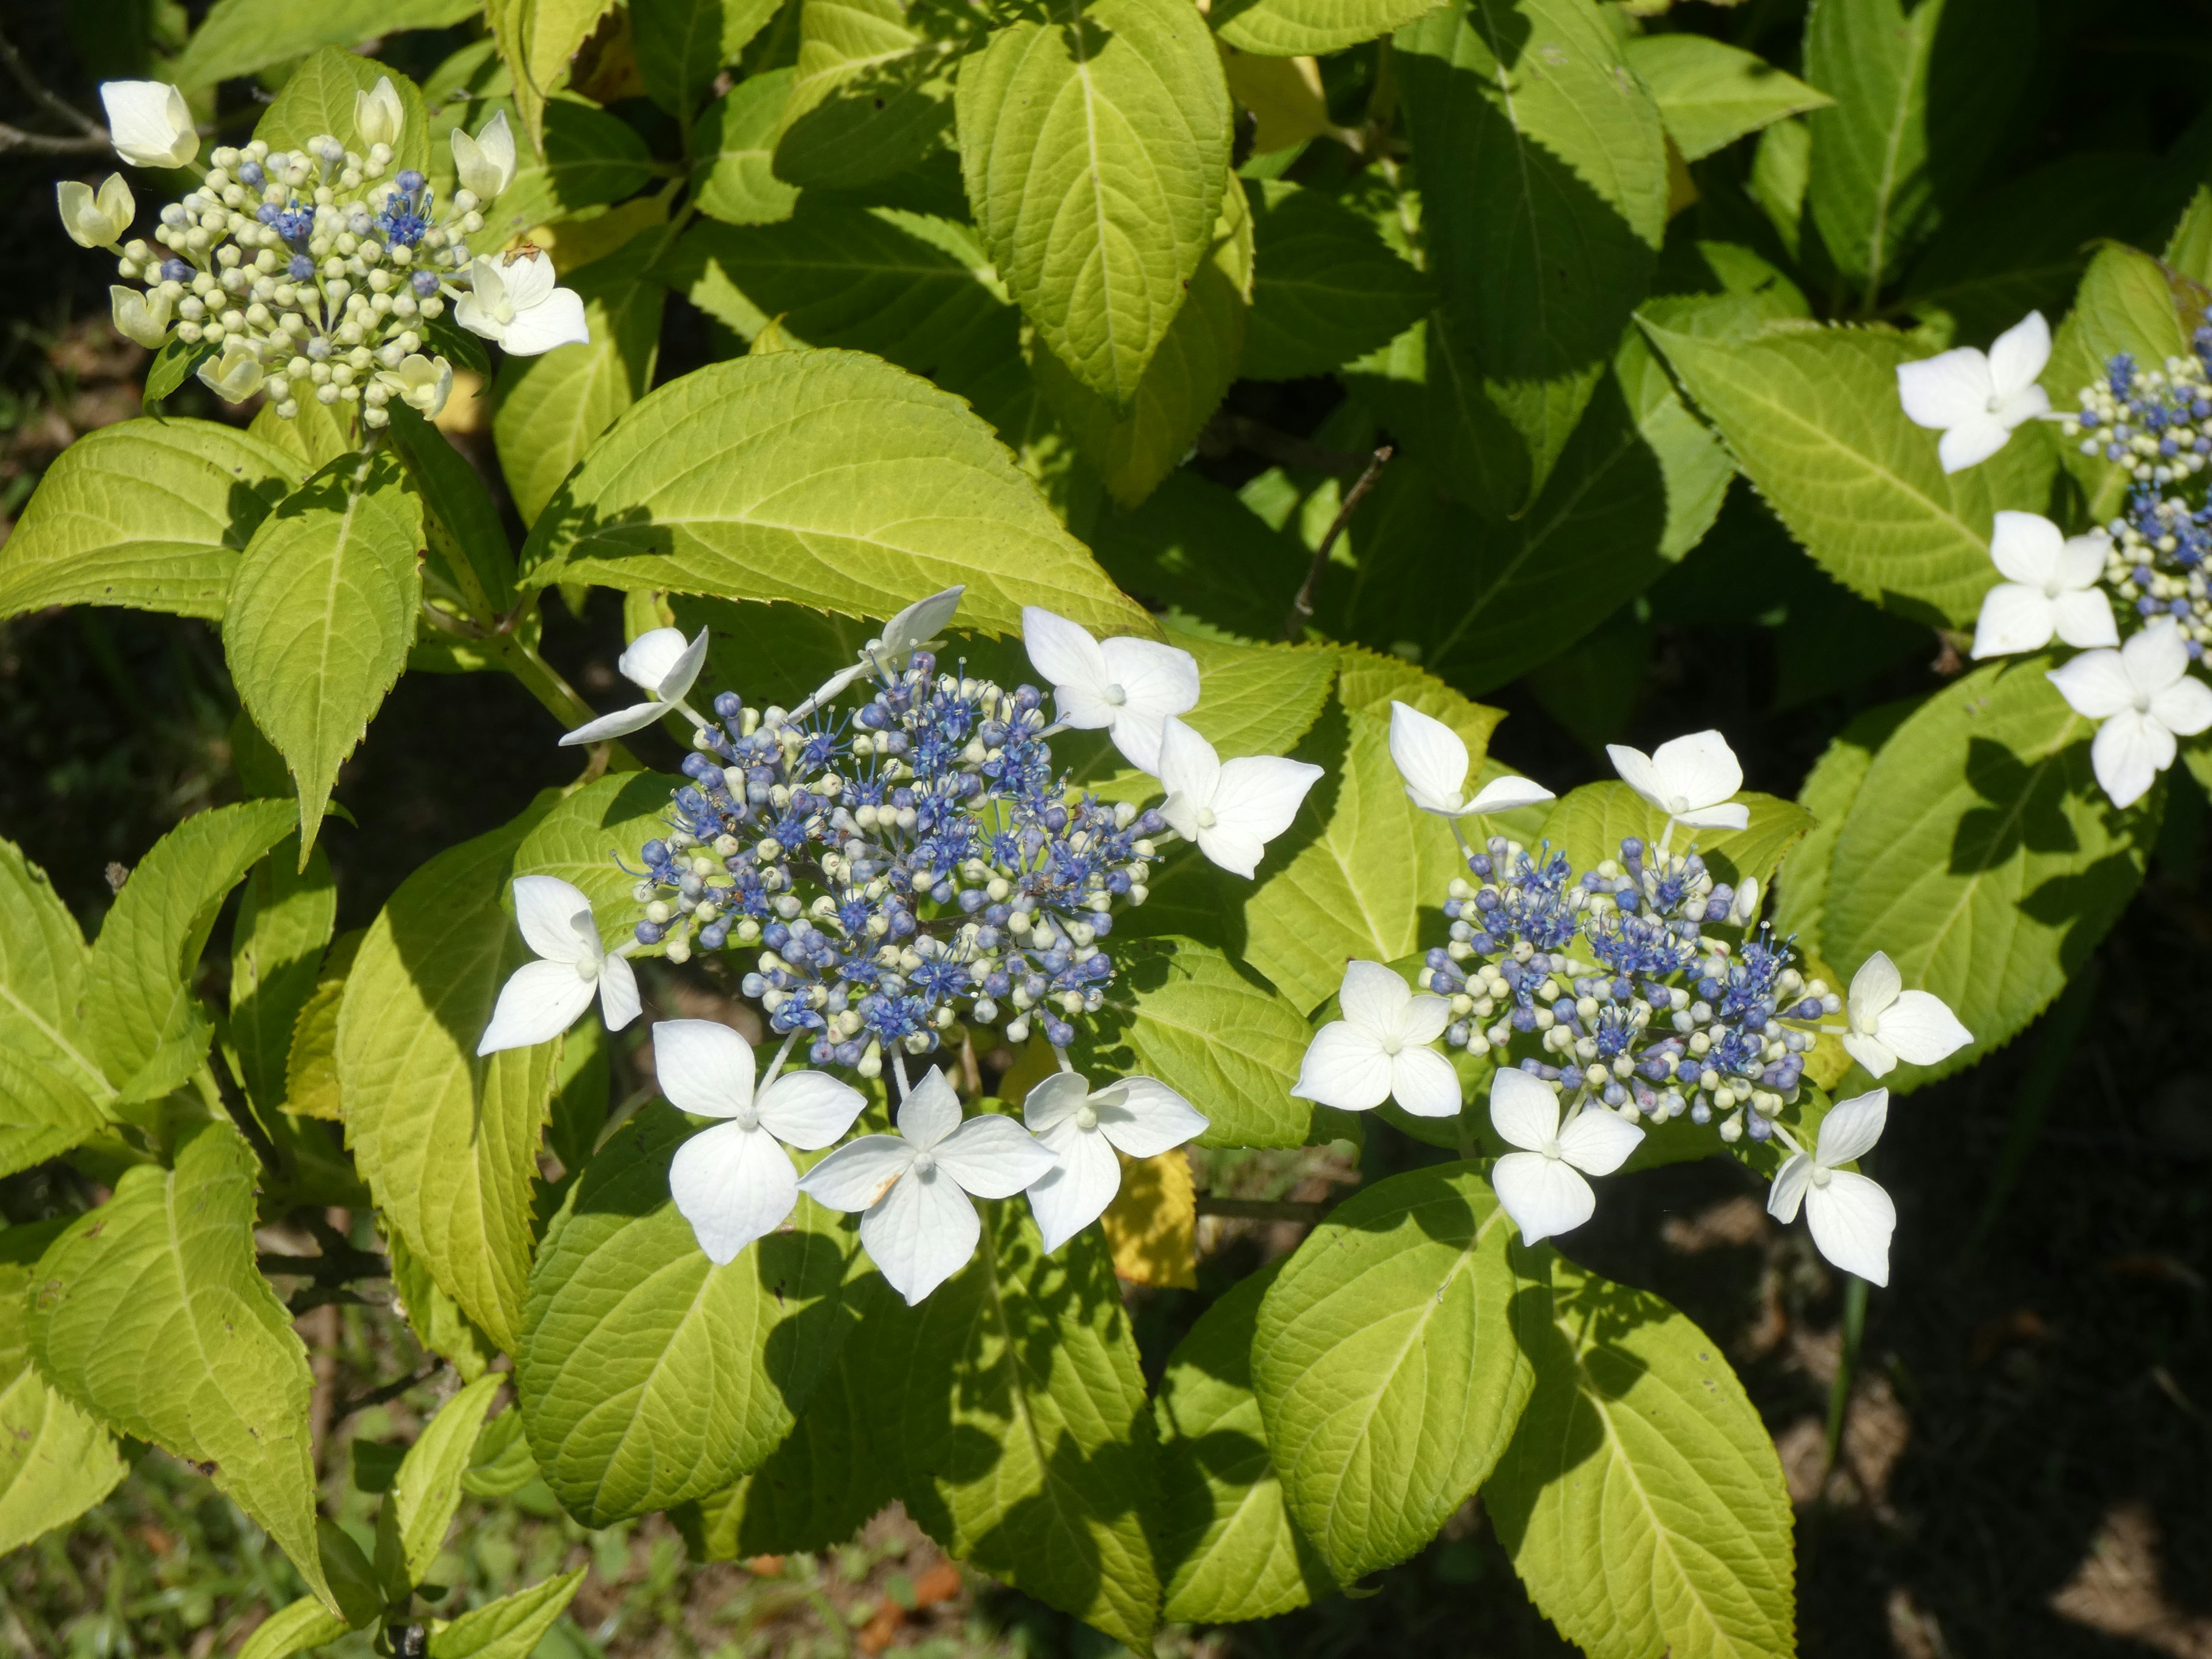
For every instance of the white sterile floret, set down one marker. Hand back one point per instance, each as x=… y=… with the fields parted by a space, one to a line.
x=659 y=661
x=542 y=998
x=140 y=314
x=1689 y=779
x=1432 y=758
x=484 y=164
x=734 y=1182
x=236 y=374
x=2146 y=697
x=513 y=301
x=912 y=629
x=422 y=383
x=2051 y=587
x=1083 y=1129
x=1975 y=399
x=1851 y=1218
x=917 y=1223
x=1543 y=1188
x=1126 y=687
x=1379 y=1050
x=1889 y=1022
x=378 y=114
x=95 y=219
x=149 y=123
x=1230 y=809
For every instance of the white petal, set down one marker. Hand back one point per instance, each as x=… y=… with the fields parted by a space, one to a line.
x=1190 y=772
x=2026 y=547
x=1234 y=849
x=1599 y=1140
x=1701 y=768
x=2094 y=683
x=2128 y=753
x=1259 y=794
x=733 y=1185
x=653 y=656
x=2019 y=355
x=858 y=1174
x=1157 y=680
x=1422 y=1020
x=2185 y=708
x=620 y=723
x=1138 y=737
x=1524 y=1109
x=1429 y=755
x=1851 y=1219
x=546 y=909
x=149 y=123
x=921 y=1234
x=1638 y=772
x=702 y=1066
x=540 y=1000
x=1730 y=815
x=1063 y=652
x=2030 y=404
x=1851 y=1128
x=1506 y=793
x=1971 y=445
x=2082 y=559
x=1373 y=997
x=809 y=1110
x=1870 y=1054
x=2014 y=618
x=1946 y=389
x=472 y=314
x=1788 y=1191
x=1144 y=1117
x=529 y=280
x=2085 y=620
x=993 y=1157
x=2156 y=656
x=1874 y=988
x=1054 y=1101
x=618 y=998
x=556 y=320
x=930 y=1111
x=1345 y=1068
x=1918 y=1028
x=836 y=683
x=1424 y=1083
x=1544 y=1195
x=918 y=624
x=1075 y=1192
x=1083 y=708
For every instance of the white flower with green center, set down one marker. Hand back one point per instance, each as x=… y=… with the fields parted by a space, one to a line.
x=542 y=998
x=2145 y=696
x=149 y=123
x=1851 y=1217
x=1230 y=809
x=140 y=314
x=236 y=374
x=1379 y=1050
x=1432 y=759
x=1083 y=1130
x=1889 y=1022
x=2050 y=587
x=511 y=300
x=1974 y=398
x=1542 y=1186
x=665 y=666
x=96 y=220
x=1689 y=779
x=1123 y=686
x=422 y=383
x=484 y=164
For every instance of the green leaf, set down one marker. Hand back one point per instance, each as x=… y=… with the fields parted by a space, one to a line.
x=1134 y=445
x=149 y=1313
x=648 y=1375
x=1710 y=94
x=681 y=45
x=1812 y=417
x=318 y=99
x=176 y=362
x=237 y=37
x=42 y=977
x=1095 y=140
x=589 y=837
x=447 y=1139
x=734 y=178
x=149 y=514
x=588 y=158
x=55 y=1461
x=1021 y=1412
x=42 y=1113
x=1801 y=882
x=2189 y=250
x=825 y=477
x=435 y=1318
x=1922 y=94
x=146 y=1024
x=416 y=1513
x=871 y=95
x=549 y=409
x=1591 y=823
x=1297 y=28
x=1982 y=857
x=537 y=38
x=304 y=1624
x=1387 y=1363
x=1642 y=1501
x=321 y=613
x=285 y=919
x=1325 y=288
x=319 y=433
x=1226 y=1539
x=311 y=1068
x=1546 y=242
x=459 y=519
x=1194 y=546
x=2126 y=304
x=502 y=1464
x=510 y=1628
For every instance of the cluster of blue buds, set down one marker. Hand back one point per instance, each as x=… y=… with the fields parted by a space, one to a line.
x=900 y=866
x=1663 y=1018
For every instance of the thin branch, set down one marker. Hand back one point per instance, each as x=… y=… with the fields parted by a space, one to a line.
x=345 y=1408
x=53 y=103
x=1263 y=1209
x=1302 y=608
x=40 y=143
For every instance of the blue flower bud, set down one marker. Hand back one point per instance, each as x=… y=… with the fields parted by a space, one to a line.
x=409 y=180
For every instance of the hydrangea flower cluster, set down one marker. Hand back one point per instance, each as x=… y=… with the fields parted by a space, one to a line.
x=318 y=272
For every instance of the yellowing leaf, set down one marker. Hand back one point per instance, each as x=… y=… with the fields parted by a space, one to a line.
x=1152 y=1226
x=1284 y=94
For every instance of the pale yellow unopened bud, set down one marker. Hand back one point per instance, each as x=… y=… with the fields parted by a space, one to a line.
x=141 y=316
x=96 y=221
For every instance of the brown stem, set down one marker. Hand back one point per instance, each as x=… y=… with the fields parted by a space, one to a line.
x=1263 y=1209
x=42 y=144
x=1302 y=608
x=347 y=1407
x=51 y=102
x=320 y=1329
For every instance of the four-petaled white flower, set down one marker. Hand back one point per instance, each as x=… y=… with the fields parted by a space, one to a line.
x=1379 y=1050
x=95 y=220
x=1125 y=686
x=149 y=123
x=1543 y=1188
x=914 y=629
x=734 y=1182
x=542 y=998
x=378 y=115
x=2145 y=696
x=1139 y=1116
x=2050 y=587
x=1889 y=1022
x=1432 y=759
x=1230 y=809
x=1851 y=1217
x=485 y=164
x=1689 y=779
x=1975 y=399
x=140 y=314
x=235 y=376
x=513 y=301
x=917 y=1222
x=659 y=661
x=422 y=383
